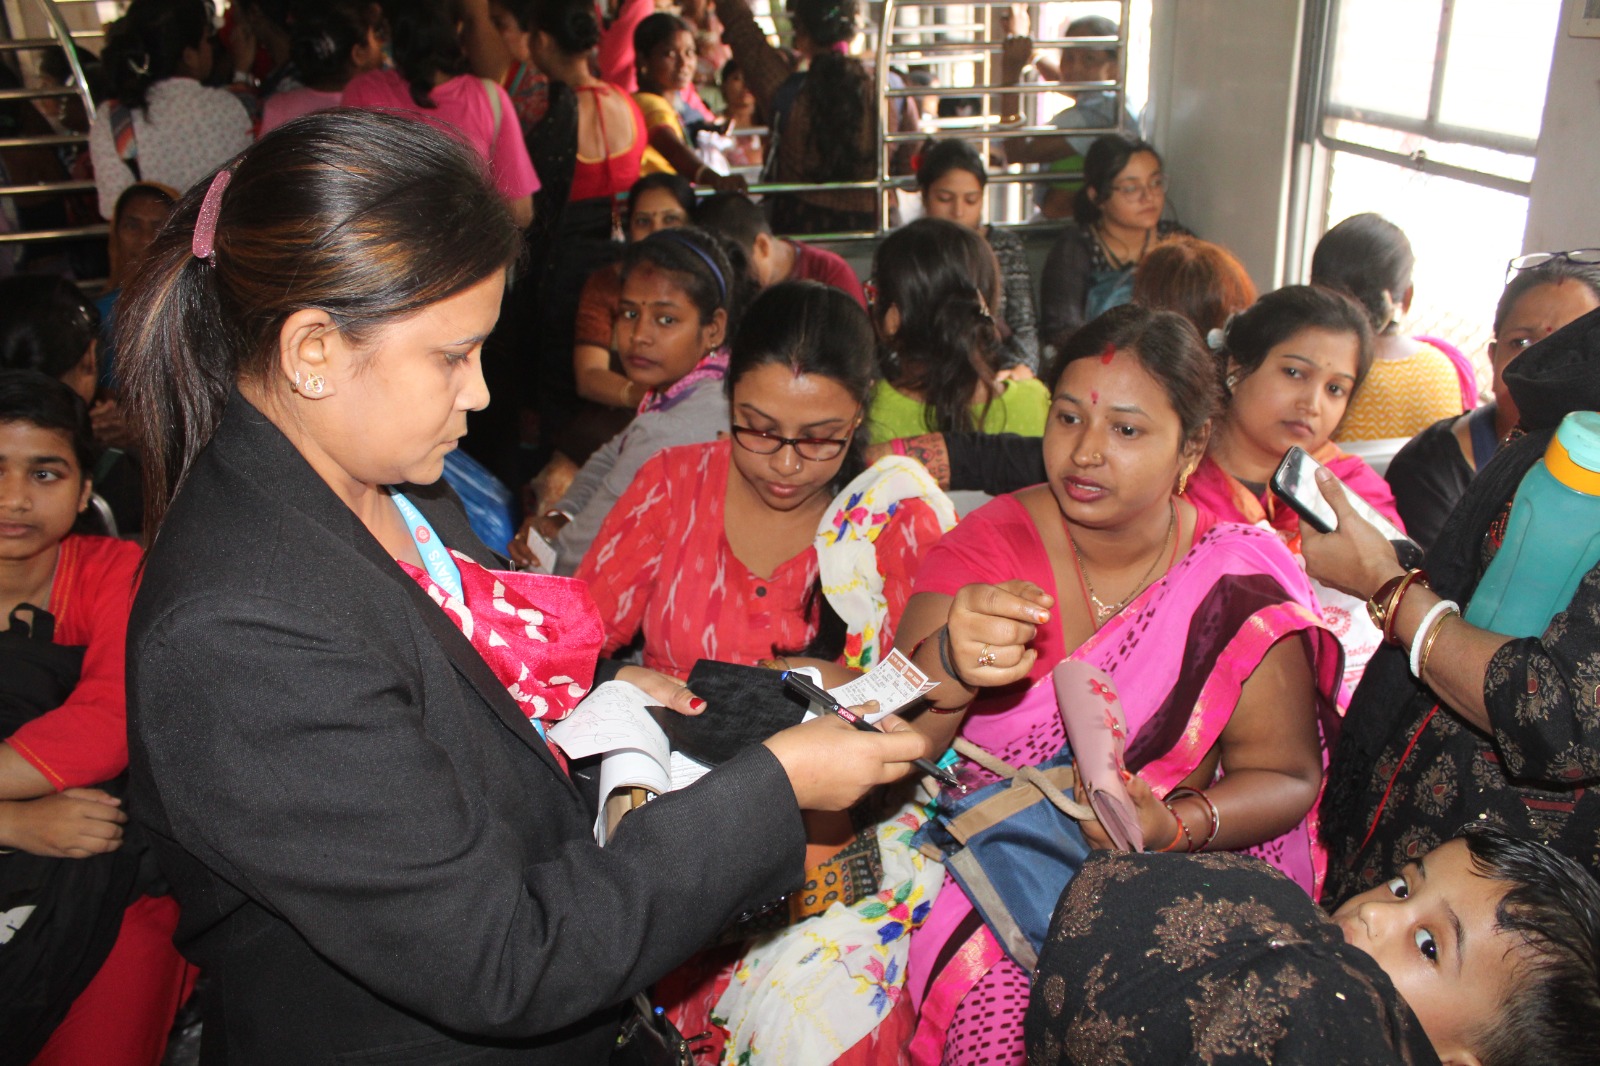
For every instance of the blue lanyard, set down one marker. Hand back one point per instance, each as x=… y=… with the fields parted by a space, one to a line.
x=443 y=569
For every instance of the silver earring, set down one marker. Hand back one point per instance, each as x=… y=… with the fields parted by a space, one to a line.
x=297 y=381
x=314 y=384
x=1232 y=380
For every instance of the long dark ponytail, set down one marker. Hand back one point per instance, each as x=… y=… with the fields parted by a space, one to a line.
x=425 y=44
x=367 y=215
x=945 y=282
x=839 y=92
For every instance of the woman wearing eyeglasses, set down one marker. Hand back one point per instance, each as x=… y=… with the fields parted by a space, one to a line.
x=710 y=552
x=779 y=544
x=1117 y=220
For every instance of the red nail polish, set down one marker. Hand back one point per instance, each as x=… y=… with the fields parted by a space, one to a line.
x=697 y=704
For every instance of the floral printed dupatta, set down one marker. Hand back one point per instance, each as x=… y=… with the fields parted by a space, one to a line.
x=1180 y=654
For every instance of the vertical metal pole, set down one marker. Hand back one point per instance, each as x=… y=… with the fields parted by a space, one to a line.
x=880 y=77
x=59 y=27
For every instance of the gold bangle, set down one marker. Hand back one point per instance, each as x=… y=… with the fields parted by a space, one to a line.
x=1427 y=645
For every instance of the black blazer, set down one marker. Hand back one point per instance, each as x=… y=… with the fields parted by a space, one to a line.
x=378 y=859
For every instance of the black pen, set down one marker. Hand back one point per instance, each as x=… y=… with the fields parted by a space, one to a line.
x=817 y=694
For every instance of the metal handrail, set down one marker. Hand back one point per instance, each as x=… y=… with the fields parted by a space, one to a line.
x=43 y=140
x=63 y=35
x=1028 y=88
x=46 y=186
x=98 y=229
x=36 y=94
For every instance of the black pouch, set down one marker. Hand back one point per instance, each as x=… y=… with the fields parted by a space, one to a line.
x=744 y=706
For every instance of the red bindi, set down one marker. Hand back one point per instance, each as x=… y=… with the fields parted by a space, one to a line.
x=1094 y=396
x=1107 y=355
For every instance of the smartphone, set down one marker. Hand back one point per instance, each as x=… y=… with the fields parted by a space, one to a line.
x=1295 y=483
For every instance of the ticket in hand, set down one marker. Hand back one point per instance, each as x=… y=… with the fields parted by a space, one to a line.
x=544 y=553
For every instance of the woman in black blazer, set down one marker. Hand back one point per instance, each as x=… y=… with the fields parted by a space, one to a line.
x=378 y=858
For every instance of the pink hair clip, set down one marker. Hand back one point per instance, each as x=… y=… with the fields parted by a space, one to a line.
x=205 y=227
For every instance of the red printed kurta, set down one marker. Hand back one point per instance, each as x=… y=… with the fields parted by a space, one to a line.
x=662 y=563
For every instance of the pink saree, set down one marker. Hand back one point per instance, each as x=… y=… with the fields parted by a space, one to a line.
x=1180 y=654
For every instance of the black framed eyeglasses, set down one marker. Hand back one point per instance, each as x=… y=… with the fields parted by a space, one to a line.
x=816 y=449
x=1581 y=256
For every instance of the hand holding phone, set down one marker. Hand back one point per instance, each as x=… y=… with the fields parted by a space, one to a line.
x=1295 y=483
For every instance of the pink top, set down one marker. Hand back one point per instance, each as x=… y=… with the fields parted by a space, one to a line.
x=464 y=110
x=661 y=562
x=615 y=57
x=282 y=107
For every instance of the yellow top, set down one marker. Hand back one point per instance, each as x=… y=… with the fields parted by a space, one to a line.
x=1403 y=397
x=658 y=111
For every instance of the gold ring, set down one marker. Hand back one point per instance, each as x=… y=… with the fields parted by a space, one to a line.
x=987 y=656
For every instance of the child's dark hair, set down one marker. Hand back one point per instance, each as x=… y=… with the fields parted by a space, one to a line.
x=945 y=282
x=713 y=272
x=1552 y=273
x=1370 y=258
x=734 y=216
x=1279 y=315
x=941 y=157
x=572 y=24
x=1107 y=157
x=1168 y=347
x=812 y=328
x=142 y=190
x=423 y=36
x=147 y=43
x=367 y=215
x=46 y=324
x=43 y=401
x=322 y=38
x=1553 y=907
x=839 y=91
x=676 y=184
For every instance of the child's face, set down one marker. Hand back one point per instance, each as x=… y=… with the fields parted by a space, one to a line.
x=1433 y=930
x=660 y=334
x=41 y=489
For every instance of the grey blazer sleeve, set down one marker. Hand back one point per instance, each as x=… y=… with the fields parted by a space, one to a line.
x=696 y=419
x=368 y=801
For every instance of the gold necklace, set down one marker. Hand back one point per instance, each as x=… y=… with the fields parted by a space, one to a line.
x=1102 y=610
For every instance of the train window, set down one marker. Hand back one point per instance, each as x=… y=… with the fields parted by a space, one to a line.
x=1429 y=114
